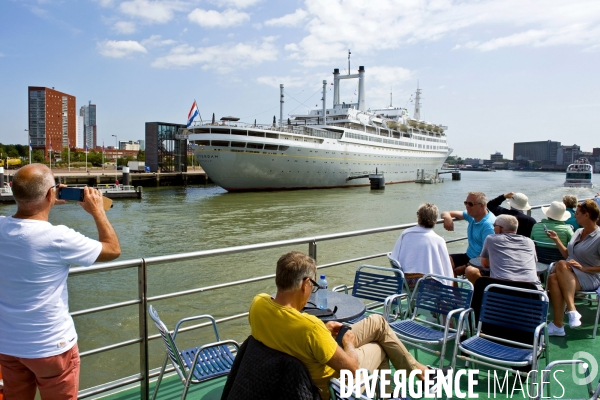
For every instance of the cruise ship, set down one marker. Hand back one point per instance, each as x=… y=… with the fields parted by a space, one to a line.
x=326 y=148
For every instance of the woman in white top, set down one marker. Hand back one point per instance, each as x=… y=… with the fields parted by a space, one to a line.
x=420 y=250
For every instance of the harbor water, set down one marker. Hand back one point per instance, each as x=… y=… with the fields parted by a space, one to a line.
x=184 y=219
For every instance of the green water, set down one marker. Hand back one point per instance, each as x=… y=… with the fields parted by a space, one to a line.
x=174 y=220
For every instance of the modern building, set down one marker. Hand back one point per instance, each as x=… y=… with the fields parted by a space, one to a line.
x=165 y=152
x=496 y=157
x=80 y=136
x=544 y=152
x=129 y=145
x=90 y=130
x=568 y=154
x=52 y=119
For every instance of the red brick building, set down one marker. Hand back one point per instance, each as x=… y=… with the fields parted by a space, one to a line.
x=52 y=119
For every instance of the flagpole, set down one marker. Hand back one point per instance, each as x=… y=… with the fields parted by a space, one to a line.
x=50 y=158
x=29 y=152
x=69 y=154
x=86 y=151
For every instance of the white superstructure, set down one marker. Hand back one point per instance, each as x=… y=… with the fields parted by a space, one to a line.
x=579 y=174
x=310 y=151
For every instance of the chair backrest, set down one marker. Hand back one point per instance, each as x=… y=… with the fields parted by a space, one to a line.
x=377 y=283
x=172 y=350
x=432 y=295
x=548 y=255
x=393 y=262
x=506 y=310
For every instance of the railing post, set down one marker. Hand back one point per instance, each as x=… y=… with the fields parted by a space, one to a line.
x=143 y=331
x=312 y=250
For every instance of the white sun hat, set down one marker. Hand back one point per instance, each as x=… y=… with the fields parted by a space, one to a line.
x=519 y=202
x=557 y=211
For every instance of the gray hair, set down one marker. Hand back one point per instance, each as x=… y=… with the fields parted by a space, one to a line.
x=480 y=196
x=507 y=222
x=427 y=215
x=31 y=183
x=292 y=269
x=570 y=201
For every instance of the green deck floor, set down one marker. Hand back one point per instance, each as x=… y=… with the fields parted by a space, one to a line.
x=561 y=348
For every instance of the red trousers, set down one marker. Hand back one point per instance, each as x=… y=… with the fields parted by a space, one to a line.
x=56 y=377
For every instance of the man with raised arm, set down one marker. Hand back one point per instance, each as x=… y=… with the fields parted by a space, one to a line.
x=279 y=324
x=481 y=224
x=519 y=205
x=38 y=342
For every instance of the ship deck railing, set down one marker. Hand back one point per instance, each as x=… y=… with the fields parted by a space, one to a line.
x=141 y=380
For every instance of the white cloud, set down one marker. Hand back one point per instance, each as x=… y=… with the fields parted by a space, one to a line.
x=238 y=3
x=257 y=26
x=154 y=12
x=215 y=19
x=1 y=54
x=335 y=25
x=157 y=41
x=120 y=49
x=125 y=27
x=221 y=58
x=288 y=81
x=293 y=19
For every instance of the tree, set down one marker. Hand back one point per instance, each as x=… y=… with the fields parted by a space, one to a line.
x=141 y=156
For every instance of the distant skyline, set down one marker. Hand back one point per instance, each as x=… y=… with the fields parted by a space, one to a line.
x=494 y=72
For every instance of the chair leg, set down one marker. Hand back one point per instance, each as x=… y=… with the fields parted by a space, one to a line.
x=597 y=316
x=160 y=376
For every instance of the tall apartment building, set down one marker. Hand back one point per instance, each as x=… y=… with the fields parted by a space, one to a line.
x=52 y=119
x=80 y=136
x=89 y=125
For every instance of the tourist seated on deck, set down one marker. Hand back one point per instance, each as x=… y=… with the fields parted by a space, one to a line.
x=481 y=224
x=570 y=202
x=580 y=270
x=420 y=250
x=556 y=215
x=519 y=204
x=279 y=324
x=507 y=254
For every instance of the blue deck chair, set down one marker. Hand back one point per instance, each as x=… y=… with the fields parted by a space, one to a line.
x=407 y=285
x=513 y=313
x=547 y=255
x=377 y=284
x=197 y=364
x=545 y=380
x=449 y=302
x=589 y=296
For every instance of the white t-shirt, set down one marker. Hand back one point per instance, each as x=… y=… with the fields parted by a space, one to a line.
x=35 y=257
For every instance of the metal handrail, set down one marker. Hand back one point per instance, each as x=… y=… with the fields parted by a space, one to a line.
x=141 y=264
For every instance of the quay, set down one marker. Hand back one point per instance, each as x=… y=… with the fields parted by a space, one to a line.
x=98 y=176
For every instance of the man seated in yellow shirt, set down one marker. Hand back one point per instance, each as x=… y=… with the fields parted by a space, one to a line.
x=279 y=324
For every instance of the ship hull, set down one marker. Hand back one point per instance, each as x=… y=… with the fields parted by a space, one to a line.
x=308 y=166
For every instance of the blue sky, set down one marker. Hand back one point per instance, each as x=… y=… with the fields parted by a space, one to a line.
x=494 y=72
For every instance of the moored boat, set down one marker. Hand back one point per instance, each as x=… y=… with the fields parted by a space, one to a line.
x=324 y=148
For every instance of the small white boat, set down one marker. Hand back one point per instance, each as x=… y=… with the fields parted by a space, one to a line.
x=579 y=174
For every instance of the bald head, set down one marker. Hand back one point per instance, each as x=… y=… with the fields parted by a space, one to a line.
x=31 y=184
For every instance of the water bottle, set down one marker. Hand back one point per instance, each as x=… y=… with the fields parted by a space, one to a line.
x=322 y=293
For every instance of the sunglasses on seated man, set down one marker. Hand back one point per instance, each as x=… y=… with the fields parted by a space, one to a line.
x=315 y=285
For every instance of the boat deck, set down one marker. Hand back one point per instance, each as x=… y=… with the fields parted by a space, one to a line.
x=561 y=348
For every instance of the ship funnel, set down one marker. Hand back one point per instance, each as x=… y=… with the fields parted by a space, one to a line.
x=361 y=89
x=336 y=87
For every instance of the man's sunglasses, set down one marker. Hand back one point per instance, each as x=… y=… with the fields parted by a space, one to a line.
x=315 y=286
x=54 y=187
x=470 y=203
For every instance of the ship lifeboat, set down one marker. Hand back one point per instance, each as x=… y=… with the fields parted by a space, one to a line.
x=392 y=124
x=413 y=123
x=421 y=125
x=429 y=127
x=404 y=128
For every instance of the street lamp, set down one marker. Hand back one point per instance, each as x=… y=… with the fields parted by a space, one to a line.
x=116 y=157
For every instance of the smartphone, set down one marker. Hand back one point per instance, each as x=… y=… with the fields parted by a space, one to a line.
x=341 y=334
x=545 y=229
x=66 y=193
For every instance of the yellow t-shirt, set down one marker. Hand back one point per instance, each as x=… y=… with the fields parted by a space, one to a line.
x=297 y=334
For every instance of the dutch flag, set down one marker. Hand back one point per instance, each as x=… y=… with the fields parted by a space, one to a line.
x=50 y=144
x=86 y=148
x=30 y=146
x=192 y=114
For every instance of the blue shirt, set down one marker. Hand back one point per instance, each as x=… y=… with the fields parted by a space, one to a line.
x=477 y=232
